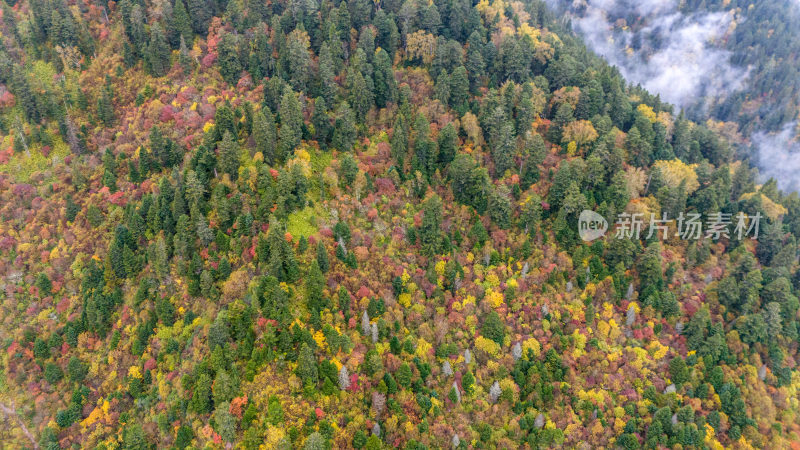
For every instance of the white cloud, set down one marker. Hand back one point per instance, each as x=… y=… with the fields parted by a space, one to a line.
x=680 y=57
x=779 y=157
x=677 y=57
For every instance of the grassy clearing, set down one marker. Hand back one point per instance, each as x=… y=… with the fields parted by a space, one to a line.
x=304 y=222
x=22 y=166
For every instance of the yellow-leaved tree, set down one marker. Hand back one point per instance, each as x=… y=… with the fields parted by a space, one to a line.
x=676 y=171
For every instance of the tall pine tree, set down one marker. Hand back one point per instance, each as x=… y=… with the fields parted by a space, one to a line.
x=105 y=110
x=158 y=52
x=229 y=158
x=291 y=130
x=265 y=135
x=180 y=25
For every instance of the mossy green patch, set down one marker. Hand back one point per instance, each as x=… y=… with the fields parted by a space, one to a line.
x=303 y=222
x=320 y=160
x=21 y=166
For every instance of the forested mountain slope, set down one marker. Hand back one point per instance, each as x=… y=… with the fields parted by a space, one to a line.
x=355 y=225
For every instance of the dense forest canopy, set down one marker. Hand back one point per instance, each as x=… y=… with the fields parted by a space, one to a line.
x=354 y=224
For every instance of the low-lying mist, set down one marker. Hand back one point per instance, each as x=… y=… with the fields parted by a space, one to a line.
x=779 y=156
x=667 y=52
x=681 y=57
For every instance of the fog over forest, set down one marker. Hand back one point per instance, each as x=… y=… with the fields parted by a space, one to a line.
x=681 y=55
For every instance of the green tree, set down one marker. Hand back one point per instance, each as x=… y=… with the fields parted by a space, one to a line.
x=307 y=366
x=618 y=193
x=573 y=203
x=459 y=89
x=201 y=12
x=770 y=241
x=260 y=62
x=344 y=129
x=650 y=270
x=569 y=172
x=94 y=216
x=442 y=88
x=562 y=117
x=372 y=362
x=388 y=36
x=314 y=284
x=638 y=147
x=52 y=373
x=531 y=213
x=137 y=30
x=321 y=122
x=225 y=422
x=265 y=134
x=40 y=348
x=360 y=96
x=468 y=382
x=430 y=233
x=469 y=182
x=224 y=388
x=163 y=149
x=315 y=442
x=399 y=140
x=500 y=206
x=105 y=110
x=385 y=85
x=348 y=171
x=296 y=60
x=322 y=257
x=72 y=209
x=158 y=52
x=493 y=328
x=448 y=144
x=534 y=153
x=291 y=124
x=344 y=301
x=180 y=24
x=224 y=120
x=44 y=284
x=76 y=369
x=404 y=375
x=229 y=156
x=21 y=88
x=184 y=437
x=678 y=371
x=424 y=148
x=278 y=254
x=327 y=73
x=133 y=437
x=201 y=396
x=503 y=150
x=184 y=57
x=230 y=66
x=218 y=332
x=274 y=301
